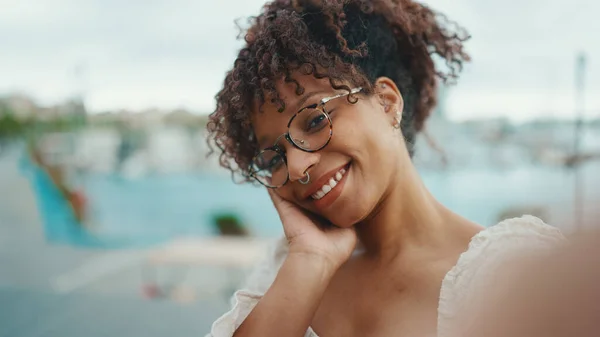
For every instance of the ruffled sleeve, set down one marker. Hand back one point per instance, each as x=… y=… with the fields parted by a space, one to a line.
x=255 y=286
x=481 y=267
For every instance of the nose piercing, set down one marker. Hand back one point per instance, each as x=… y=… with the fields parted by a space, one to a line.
x=306 y=180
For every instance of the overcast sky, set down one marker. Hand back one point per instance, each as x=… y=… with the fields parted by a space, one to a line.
x=170 y=54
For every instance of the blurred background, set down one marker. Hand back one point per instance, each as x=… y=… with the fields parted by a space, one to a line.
x=114 y=222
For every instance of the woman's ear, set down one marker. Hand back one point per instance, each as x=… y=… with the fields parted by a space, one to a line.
x=390 y=98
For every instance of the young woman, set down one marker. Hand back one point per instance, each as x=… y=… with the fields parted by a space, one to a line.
x=322 y=107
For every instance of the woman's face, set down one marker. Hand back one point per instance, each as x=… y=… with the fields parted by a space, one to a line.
x=364 y=157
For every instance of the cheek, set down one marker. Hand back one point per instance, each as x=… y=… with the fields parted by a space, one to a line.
x=285 y=192
x=370 y=140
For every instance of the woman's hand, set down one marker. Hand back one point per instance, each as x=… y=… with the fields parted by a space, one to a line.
x=309 y=236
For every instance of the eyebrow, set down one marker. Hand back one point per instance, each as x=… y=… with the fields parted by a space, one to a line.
x=299 y=105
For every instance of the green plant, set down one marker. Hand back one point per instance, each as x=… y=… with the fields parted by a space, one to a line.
x=229 y=224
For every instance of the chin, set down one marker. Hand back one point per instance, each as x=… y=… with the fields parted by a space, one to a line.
x=352 y=210
x=344 y=224
x=346 y=218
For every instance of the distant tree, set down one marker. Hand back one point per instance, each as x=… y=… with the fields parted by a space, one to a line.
x=10 y=127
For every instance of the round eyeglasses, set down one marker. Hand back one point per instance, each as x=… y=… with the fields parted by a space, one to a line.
x=309 y=130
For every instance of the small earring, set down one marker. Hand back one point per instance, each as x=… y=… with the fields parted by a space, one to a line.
x=383 y=85
x=397 y=121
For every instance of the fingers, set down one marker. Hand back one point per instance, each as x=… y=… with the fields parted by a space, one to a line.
x=291 y=214
x=284 y=208
x=278 y=201
x=320 y=221
x=274 y=196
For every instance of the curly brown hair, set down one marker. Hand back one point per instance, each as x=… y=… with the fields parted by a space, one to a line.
x=345 y=41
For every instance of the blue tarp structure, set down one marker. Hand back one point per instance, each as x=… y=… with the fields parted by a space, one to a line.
x=58 y=219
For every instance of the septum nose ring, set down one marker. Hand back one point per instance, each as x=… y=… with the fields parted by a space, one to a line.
x=306 y=179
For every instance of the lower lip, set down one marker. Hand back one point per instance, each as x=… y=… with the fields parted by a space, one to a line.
x=332 y=196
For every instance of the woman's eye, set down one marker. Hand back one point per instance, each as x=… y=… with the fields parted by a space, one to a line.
x=275 y=163
x=316 y=121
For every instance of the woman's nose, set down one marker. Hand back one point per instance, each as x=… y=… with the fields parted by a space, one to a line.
x=298 y=162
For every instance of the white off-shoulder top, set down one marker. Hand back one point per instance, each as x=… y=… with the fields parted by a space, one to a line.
x=474 y=268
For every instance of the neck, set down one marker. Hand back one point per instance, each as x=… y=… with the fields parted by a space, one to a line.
x=408 y=218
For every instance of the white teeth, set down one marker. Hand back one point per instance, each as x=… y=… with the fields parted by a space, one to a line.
x=333 y=181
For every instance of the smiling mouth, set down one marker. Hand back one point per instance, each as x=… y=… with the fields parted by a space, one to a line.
x=330 y=184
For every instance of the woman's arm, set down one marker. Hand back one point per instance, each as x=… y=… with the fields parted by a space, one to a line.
x=315 y=253
x=289 y=305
